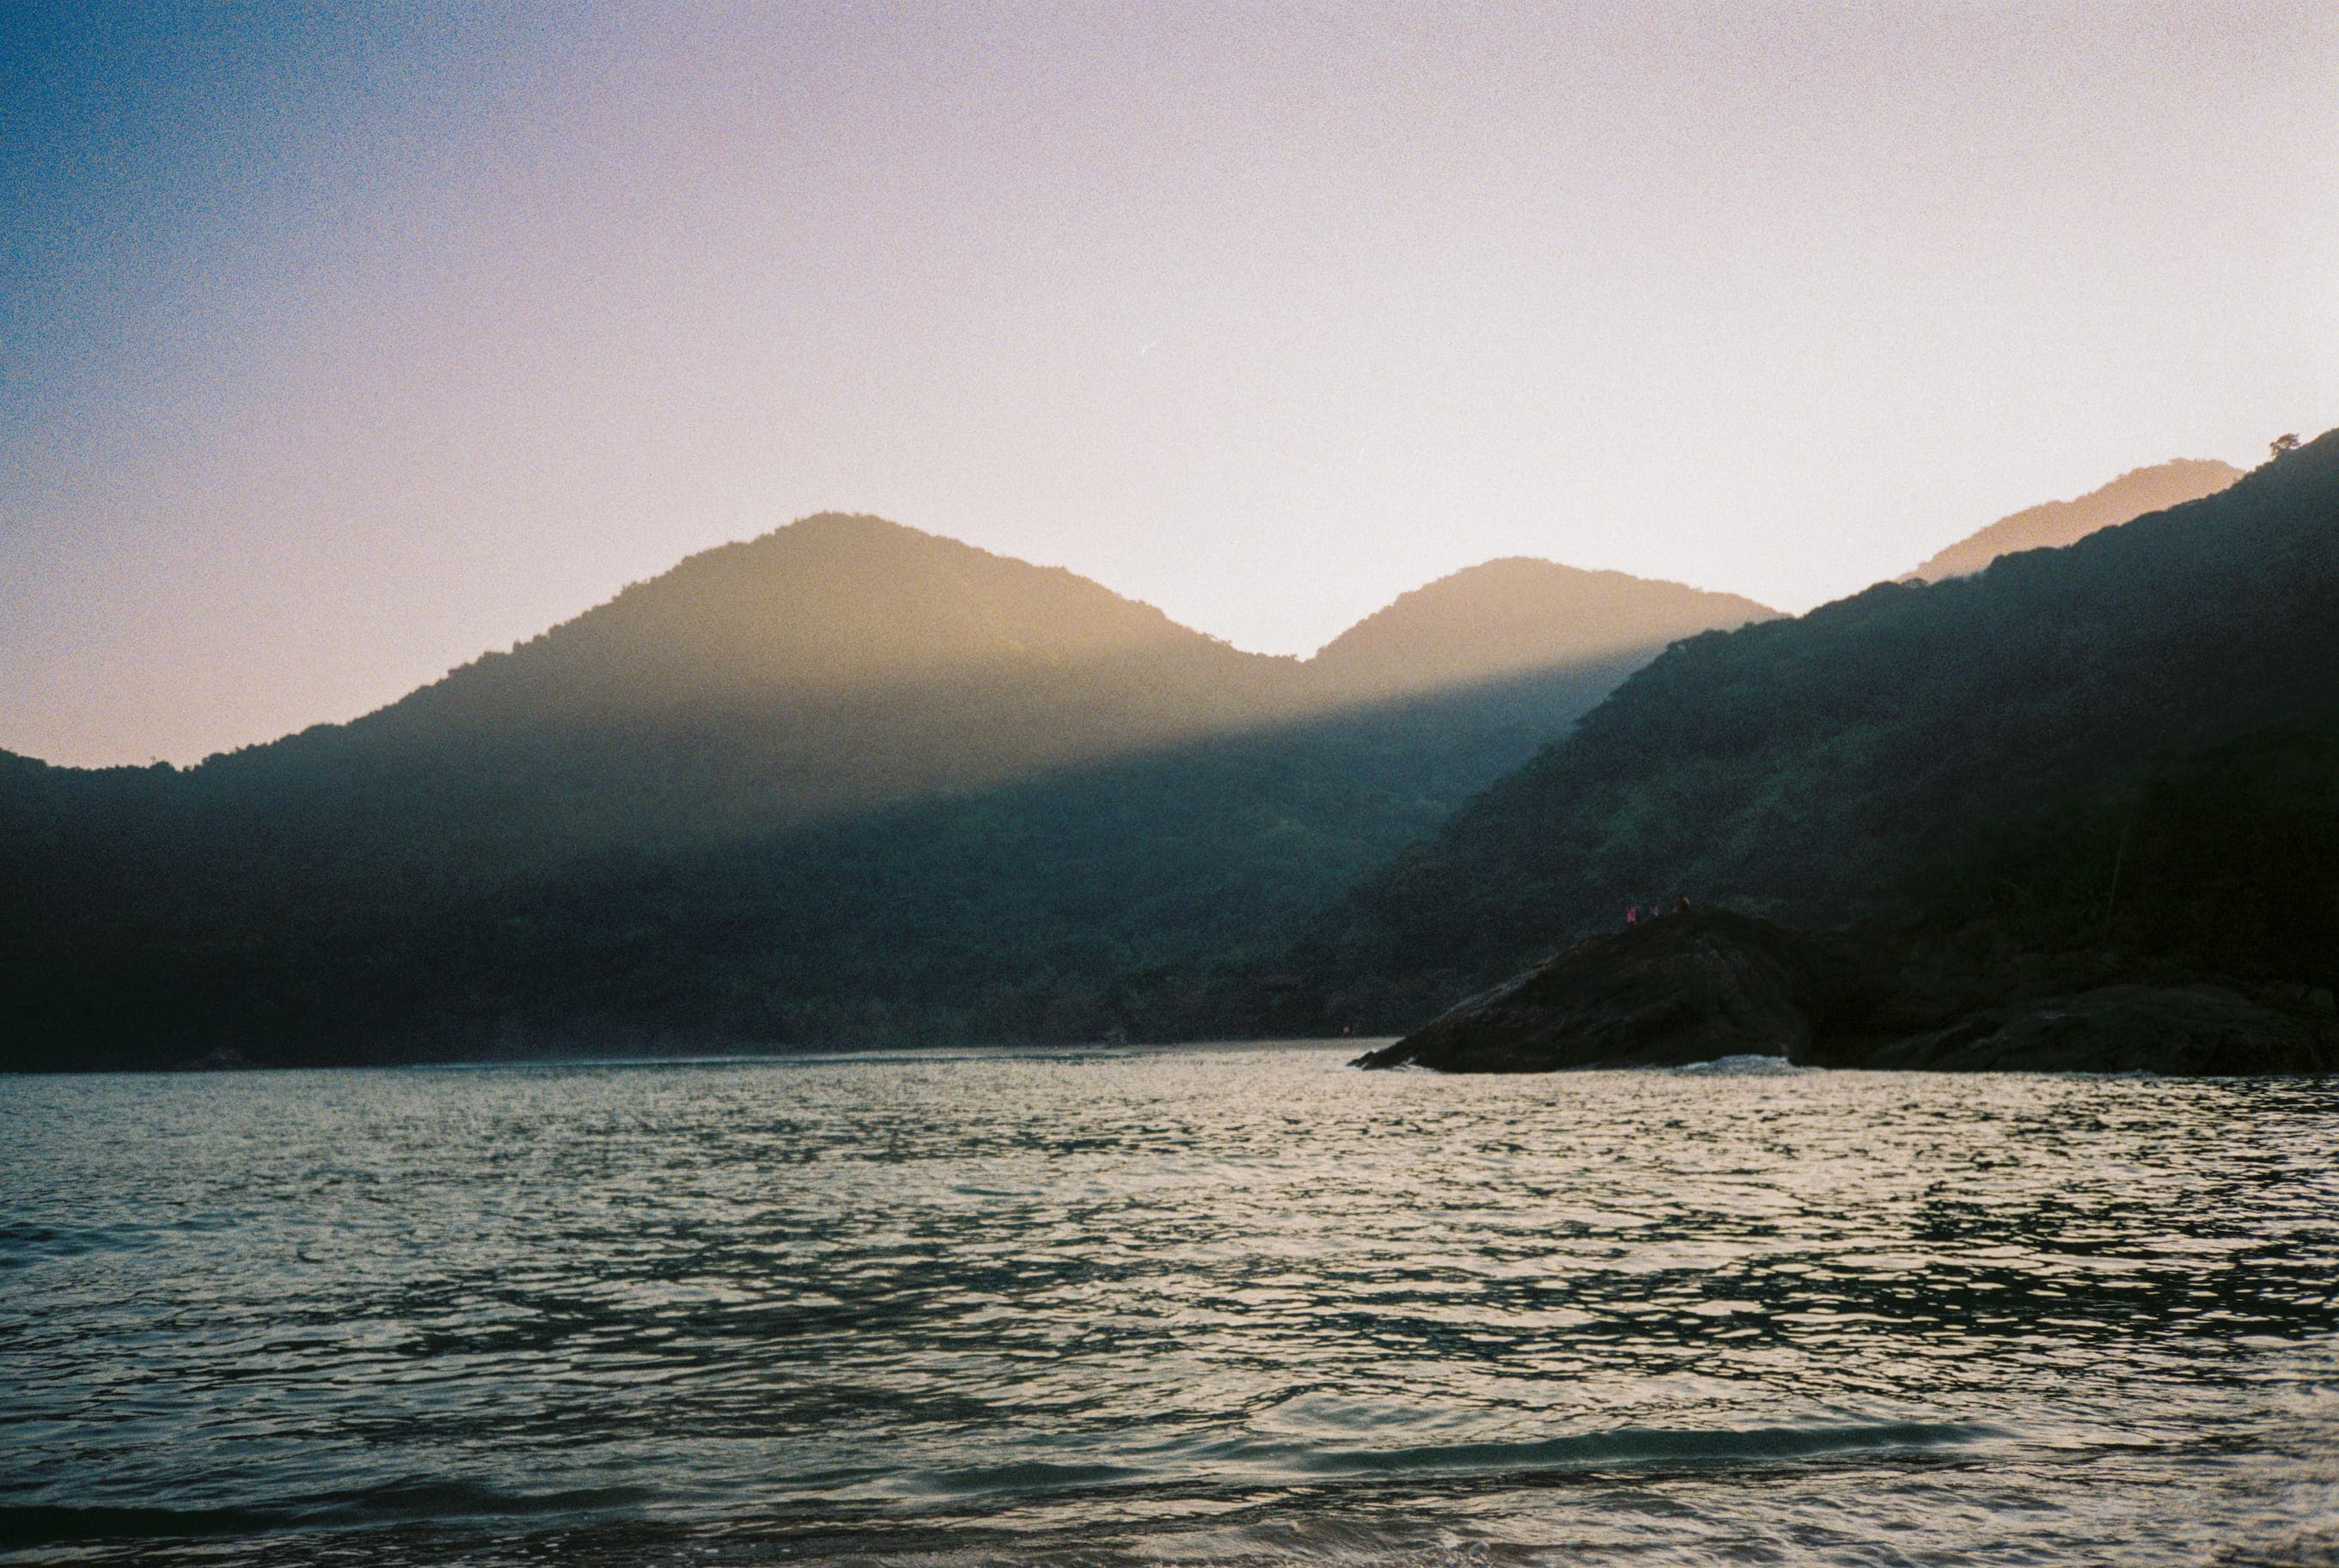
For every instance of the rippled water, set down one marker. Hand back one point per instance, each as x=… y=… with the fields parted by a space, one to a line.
x=1232 y=1305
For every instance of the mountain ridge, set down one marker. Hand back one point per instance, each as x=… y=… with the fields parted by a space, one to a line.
x=846 y=771
x=959 y=797
x=2053 y=524
x=825 y=653
x=1800 y=769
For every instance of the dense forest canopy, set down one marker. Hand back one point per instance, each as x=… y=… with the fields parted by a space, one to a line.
x=2224 y=859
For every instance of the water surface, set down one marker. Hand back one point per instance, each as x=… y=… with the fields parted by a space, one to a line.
x=1236 y=1304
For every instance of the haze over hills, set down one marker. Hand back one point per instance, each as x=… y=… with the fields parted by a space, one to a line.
x=2058 y=523
x=839 y=664
x=1809 y=769
x=846 y=771
x=1506 y=617
x=846 y=663
x=850 y=781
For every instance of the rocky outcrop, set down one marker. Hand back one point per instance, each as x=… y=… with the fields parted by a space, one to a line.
x=2193 y=1029
x=221 y=1059
x=1699 y=986
x=1684 y=989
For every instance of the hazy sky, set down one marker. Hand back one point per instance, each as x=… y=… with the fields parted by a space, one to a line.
x=336 y=347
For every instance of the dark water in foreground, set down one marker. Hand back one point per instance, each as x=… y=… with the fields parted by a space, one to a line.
x=1219 y=1305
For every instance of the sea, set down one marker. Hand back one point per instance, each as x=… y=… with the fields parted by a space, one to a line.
x=1238 y=1305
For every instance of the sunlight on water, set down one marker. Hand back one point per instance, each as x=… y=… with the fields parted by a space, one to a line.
x=1228 y=1304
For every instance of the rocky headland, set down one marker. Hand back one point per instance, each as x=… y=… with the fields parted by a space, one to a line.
x=1701 y=986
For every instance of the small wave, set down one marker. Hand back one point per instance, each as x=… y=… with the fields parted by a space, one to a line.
x=36 y=1525
x=24 y=1241
x=1746 y=1067
x=1618 y=1446
x=39 y=1524
x=1029 y=1475
x=430 y=1498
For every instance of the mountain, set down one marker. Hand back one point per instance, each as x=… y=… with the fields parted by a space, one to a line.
x=837 y=665
x=1806 y=769
x=2224 y=859
x=845 y=664
x=1506 y=617
x=848 y=780
x=2059 y=523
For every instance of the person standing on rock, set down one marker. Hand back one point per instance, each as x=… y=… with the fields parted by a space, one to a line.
x=1632 y=915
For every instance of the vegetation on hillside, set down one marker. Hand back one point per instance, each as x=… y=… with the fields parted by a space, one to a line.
x=2224 y=860
x=848 y=781
x=1805 y=770
x=851 y=783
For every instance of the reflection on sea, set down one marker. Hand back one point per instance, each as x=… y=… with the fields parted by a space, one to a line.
x=1235 y=1304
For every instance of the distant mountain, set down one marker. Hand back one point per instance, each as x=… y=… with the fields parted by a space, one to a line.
x=845 y=664
x=1509 y=616
x=848 y=780
x=837 y=665
x=2059 y=523
x=1805 y=769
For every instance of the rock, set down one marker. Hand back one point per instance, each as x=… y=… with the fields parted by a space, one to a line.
x=1686 y=987
x=2196 y=1030
x=1699 y=986
x=220 y=1058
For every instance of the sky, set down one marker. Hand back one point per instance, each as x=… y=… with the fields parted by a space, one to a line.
x=340 y=344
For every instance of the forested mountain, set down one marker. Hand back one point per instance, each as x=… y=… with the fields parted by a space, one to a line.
x=848 y=776
x=845 y=664
x=2224 y=858
x=854 y=782
x=837 y=665
x=1807 y=769
x=2058 y=523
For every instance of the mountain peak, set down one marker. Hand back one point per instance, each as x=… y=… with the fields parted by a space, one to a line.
x=839 y=601
x=1515 y=613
